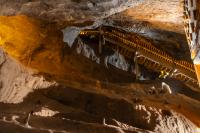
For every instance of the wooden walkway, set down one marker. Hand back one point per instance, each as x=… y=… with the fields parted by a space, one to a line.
x=130 y=44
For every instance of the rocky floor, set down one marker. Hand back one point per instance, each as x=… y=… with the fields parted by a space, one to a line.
x=81 y=104
x=64 y=109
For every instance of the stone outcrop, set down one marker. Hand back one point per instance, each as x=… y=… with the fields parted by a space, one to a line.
x=45 y=86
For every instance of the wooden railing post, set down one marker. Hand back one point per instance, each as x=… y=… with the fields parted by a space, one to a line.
x=137 y=72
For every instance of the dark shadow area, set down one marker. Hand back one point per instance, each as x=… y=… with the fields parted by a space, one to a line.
x=179 y=87
x=80 y=105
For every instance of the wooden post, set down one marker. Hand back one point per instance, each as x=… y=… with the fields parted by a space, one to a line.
x=100 y=41
x=136 y=66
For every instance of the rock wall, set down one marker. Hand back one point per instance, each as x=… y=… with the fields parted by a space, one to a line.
x=66 y=11
x=17 y=81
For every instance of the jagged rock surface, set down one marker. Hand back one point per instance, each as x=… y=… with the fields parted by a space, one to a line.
x=66 y=10
x=90 y=97
x=77 y=110
x=94 y=105
x=17 y=81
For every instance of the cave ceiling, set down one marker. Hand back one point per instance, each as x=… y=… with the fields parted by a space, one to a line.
x=159 y=20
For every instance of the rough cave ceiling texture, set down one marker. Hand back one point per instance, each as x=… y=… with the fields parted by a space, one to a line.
x=163 y=14
x=82 y=10
x=76 y=11
x=37 y=41
x=151 y=18
x=66 y=10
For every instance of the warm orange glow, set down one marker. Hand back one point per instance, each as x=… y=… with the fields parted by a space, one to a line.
x=32 y=42
x=197 y=69
x=40 y=46
x=20 y=35
x=193 y=54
